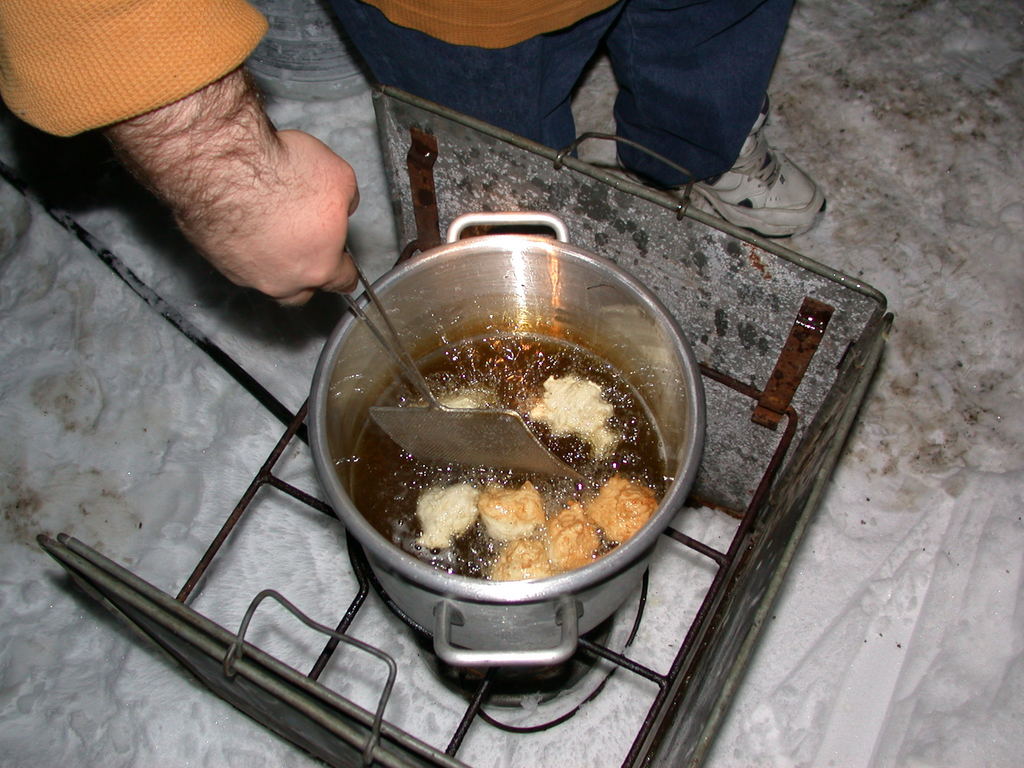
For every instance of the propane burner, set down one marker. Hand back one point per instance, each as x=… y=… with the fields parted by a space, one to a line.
x=516 y=687
x=582 y=677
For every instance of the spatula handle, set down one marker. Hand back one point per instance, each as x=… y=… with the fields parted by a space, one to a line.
x=389 y=339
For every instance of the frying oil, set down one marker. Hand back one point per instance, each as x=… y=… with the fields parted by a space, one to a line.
x=503 y=370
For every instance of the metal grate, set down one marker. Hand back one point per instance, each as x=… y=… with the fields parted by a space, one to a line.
x=671 y=685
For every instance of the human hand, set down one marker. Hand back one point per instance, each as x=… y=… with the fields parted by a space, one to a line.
x=269 y=209
x=284 y=231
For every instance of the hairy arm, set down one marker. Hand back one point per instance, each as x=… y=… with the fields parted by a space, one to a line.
x=267 y=208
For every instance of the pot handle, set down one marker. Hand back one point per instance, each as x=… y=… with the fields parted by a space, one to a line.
x=508 y=219
x=446 y=614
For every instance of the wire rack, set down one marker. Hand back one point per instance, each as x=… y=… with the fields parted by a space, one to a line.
x=671 y=685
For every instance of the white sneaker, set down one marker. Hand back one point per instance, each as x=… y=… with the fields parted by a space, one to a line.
x=764 y=191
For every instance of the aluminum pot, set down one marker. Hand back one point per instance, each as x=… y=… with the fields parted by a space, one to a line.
x=509 y=282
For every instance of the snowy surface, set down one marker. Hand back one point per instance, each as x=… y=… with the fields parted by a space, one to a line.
x=898 y=637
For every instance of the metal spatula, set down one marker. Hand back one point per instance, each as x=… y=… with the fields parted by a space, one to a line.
x=480 y=437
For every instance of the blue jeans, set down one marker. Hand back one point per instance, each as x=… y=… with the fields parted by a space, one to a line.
x=692 y=75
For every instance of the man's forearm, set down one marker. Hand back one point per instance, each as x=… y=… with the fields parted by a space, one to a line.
x=195 y=153
x=268 y=208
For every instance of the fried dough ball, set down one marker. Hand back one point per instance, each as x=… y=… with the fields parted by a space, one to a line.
x=445 y=514
x=522 y=559
x=573 y=540
x=511 y=514
x=468 y=398
x=621 y=508
x=574 y=406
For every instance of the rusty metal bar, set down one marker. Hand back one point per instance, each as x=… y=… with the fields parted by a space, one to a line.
x=697 y=546
x=420 y=165
x=346 y=621
x=300 y=495
x=801 y=344
x=625 y=662
x=471 y=712
x=261 y=478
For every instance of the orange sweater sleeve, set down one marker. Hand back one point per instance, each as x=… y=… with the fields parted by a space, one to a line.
x=67 y=66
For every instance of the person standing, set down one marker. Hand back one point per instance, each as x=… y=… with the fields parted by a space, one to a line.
x=165 y=83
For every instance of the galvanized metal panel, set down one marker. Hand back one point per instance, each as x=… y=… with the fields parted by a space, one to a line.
x=734 y=296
